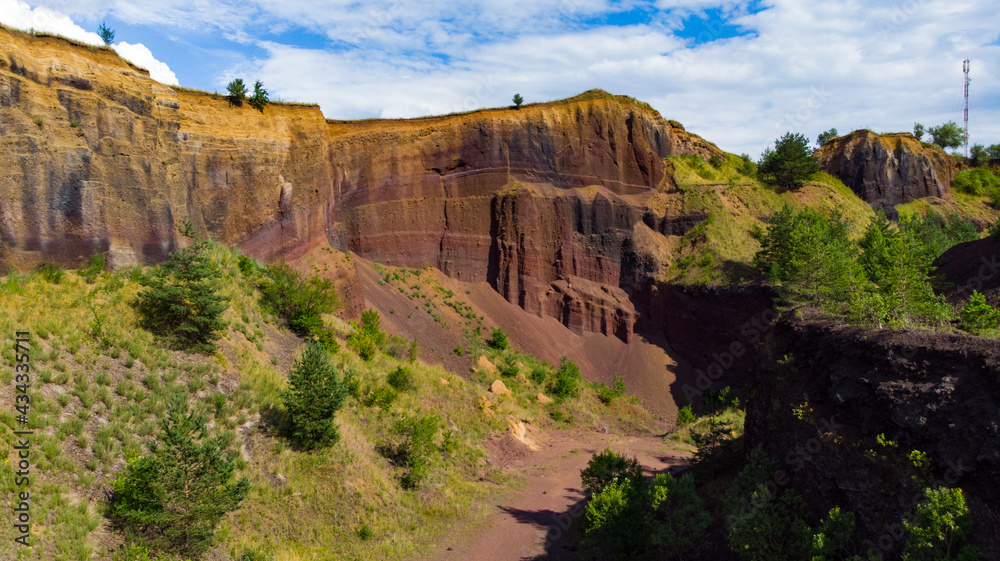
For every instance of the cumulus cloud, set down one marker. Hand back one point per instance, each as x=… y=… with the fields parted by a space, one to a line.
x=799 y=65
x=142 y=57
x=20 y=15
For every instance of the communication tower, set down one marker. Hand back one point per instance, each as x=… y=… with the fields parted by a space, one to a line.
x=965 y=69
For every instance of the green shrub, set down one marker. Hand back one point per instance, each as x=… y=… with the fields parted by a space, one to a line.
x=181 y=303
x=538 y=375
x=367 y=336
x=401 y=379
x=315 y=392
x=51 y=272
x=249 y=266
x=767 y=526
x=685 y=416
x=978 y=316
x=177 y=494
x=721 y=400
x=939 y=527
x=682 y=521
x=498 y=339
x=299 y=301
x=93 y=269
x=616 y=519
x=607 y=466
x=414 y=452
x=260 y=98
x=566 y=383
x=383 y=396
x=237 y=92
x=977 y=181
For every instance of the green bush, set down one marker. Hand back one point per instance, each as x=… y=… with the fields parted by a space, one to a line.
x=249 y=266
x=368 y=335
x=978 y=316
x=685 y=416
x=175 y=496
x=939 y=527
x=764 y=525
x=51 y=272
x=383 y=396
x=297 y=300
x=538 y=374
x=607 y=466
x=181 y=303
x=260 y=98
x=401 y=379
x=566 y=382
x=616 y=519
x=315 y=392
x=498 y=339
x=682 y=521
x=977 y=181
x=414 y=452
x=237 y=92
x=93 y=269
x=721 y=400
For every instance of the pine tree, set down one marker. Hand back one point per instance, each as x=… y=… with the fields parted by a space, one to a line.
x=182 y=303
x=790 y=163
x=315 y=393
x=260 y=98
x=176 y=495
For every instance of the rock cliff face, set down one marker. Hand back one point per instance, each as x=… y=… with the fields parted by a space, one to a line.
x=888 y=169
x=818 y=412
x=541 y=202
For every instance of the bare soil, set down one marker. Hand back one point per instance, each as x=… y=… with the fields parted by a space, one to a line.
x=541 y=519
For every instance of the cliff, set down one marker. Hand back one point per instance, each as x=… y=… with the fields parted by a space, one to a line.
x=887 y=169
x=542 y=202
x=823 y=393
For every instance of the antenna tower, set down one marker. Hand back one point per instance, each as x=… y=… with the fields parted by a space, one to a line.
x=965 y=69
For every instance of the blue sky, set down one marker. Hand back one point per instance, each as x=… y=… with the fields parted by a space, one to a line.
x=738 y=73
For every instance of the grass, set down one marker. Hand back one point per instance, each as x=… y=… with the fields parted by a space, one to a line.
x=719 y=250
x=95 y=404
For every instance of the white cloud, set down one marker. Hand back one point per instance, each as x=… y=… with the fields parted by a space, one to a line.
x=20 y=15
x=806 y=66
x=142 y=57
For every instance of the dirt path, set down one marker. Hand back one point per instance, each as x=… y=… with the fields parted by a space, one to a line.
x=533 y=522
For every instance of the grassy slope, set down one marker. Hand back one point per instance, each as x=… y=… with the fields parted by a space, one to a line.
x=92 y=406
x=719 y=249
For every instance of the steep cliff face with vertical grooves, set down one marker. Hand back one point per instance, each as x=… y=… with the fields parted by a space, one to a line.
x=888 y=169
x=541 y=202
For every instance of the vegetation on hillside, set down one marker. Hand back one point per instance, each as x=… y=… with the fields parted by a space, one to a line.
x=882 y=278
x=348 y=482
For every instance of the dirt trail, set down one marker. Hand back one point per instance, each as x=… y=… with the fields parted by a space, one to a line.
x=534 y=522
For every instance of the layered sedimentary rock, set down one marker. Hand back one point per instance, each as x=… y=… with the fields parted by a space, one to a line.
x=543 y=202
x=888 y=169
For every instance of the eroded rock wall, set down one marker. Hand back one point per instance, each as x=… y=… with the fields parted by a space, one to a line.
x=541 y=202
x=888 y=169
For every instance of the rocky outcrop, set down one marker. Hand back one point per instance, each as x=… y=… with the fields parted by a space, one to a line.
x=887 y=169
x=540 y=202
x=823 y=393
x=971 y=267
